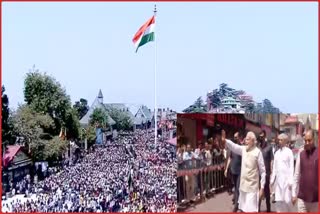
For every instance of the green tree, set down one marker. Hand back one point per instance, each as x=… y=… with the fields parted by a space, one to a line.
x=197 y=107
x=122 y=119
x=99 y=118
x=7 y=127
x=199 y=103
x=225 y=91
x=45 y=95
x=215 y=98
x=238 y=92
x=72 y=123
x=54 y=148
x=189 y=109
x=267 y=106
x=250 y=107
x=89 y=133
x=81 y=107
x=31 y=126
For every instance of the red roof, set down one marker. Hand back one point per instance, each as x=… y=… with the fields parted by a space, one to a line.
x=10 y=153
x=292 y=119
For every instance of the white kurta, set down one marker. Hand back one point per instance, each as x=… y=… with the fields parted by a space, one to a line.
x=249 y=201
x=282 y=177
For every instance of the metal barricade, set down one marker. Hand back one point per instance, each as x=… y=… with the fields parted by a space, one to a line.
x=196 y=180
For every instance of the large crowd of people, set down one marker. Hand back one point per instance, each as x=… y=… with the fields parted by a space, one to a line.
x=133 y=173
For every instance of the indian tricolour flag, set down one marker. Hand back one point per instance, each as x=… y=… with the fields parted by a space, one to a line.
x=145 y=34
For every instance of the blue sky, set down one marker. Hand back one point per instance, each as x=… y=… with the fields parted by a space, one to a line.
x=269 y=50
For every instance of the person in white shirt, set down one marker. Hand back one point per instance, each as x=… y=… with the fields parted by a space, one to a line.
x=188 y=157
x=189 y=154
x=208 y=161
x=207 y=155
x=282 y=175
x=198 y=150
x=252 y=165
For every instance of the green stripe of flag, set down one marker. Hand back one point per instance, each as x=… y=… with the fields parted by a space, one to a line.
x=145 y=39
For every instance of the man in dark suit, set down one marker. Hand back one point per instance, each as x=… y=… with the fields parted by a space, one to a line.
x=267 y=153
x=234 y=162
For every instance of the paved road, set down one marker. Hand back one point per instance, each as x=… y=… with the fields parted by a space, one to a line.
x=222 y=202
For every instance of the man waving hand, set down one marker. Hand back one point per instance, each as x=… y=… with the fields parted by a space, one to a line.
x=252 y=165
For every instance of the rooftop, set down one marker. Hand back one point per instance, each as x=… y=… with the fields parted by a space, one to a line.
x=130 y=108
x=96 y=104
x=10 y=153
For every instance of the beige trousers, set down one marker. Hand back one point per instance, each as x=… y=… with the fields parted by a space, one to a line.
x=283 y=207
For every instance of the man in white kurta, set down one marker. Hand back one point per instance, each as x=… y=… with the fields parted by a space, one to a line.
x=282 y=175
x=252 y=165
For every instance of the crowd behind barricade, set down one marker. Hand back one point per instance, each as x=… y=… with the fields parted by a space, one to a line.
x=201 y=170
x=130 y=174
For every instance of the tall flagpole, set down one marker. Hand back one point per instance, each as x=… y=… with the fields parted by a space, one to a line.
x=155 y=78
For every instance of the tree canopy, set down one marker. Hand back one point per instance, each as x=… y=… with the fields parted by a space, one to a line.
x=46 y=112
x=223 y=91
x=45 y=95
x=81 y=107
x=99 y=118
x=32 y=126
x=89 y=133
x=197 y=107
x=7 y=127
x=122 y=119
